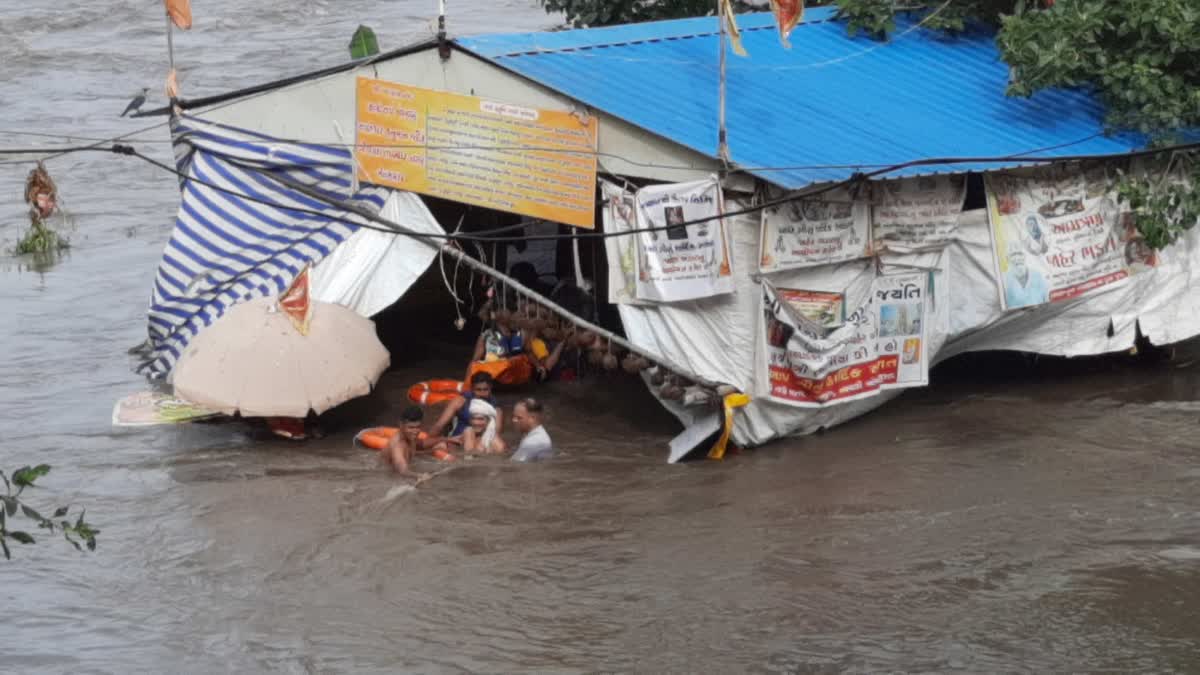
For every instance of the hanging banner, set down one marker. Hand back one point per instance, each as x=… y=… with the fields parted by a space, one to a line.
x=1056 y=235
x=805 y=233
x=620 y=215
x=878 y=346
x=810 y=366
x=911 y=214
x=903 y=310
x=683 y=262
x=539 y=163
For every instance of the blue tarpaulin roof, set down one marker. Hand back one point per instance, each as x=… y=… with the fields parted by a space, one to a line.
x=829 y=106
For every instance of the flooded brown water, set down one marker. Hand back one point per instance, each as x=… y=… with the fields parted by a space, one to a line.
x=1014 y=517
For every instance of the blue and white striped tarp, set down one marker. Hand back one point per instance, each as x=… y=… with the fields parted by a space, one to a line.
x=238 y=235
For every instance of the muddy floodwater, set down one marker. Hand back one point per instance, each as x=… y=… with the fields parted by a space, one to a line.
x=1016 y=516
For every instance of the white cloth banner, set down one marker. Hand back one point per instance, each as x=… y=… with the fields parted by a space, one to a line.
x=370 y=270
x=830 y=229
x=620 y=215
x=808 y=365
x=689 y=261
x=1056 y=234
x=911 y=214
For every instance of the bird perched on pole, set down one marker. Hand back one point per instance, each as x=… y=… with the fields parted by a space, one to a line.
x=138 y=101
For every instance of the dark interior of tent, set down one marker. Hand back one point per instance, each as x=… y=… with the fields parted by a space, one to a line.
x=424 y=322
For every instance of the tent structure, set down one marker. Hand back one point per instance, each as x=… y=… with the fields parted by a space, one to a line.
x=911 y=115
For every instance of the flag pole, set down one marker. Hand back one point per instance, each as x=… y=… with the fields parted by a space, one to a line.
x=170 y=41
x=722 y=144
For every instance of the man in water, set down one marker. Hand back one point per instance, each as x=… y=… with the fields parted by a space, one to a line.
x=535 y=441
x=402 y=446
x=458 y=410
x=1023 y=287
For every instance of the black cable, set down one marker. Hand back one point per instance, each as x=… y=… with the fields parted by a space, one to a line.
x=395 y=228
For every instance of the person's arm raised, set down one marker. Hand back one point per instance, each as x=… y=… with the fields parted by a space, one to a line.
x=452 y=408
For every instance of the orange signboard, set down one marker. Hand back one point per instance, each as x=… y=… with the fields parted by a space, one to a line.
x=539 y=163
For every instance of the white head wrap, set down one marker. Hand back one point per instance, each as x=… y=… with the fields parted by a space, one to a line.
x=481 y=407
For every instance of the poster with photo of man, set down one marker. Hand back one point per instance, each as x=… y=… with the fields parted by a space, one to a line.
x=684 y=253
x=1057 y=233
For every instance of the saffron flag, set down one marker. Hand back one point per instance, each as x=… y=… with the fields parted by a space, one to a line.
x=788 y=13
x=180 y=12
x=735 y=35
x=296 y=303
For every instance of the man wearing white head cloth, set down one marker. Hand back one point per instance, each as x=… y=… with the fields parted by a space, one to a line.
x=480 y=436
x=1023 y=286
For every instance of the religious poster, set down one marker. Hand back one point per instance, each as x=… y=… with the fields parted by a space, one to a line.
x=911 y=214
x=880 y=345
x=1057 y=234
x=828 y=229
x=811 y=366
x=677 y=260
x=903 y=308
x=620 y=215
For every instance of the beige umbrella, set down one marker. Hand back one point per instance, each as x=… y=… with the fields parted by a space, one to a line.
x=253 y=360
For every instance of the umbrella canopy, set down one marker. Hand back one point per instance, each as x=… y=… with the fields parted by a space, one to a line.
x=253 y=360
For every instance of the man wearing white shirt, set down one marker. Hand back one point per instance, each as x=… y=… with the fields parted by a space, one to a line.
x=535 y=442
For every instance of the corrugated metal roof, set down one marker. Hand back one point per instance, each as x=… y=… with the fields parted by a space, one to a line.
x=825 y=108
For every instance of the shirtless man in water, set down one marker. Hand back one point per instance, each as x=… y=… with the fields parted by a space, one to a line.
x=401 y=448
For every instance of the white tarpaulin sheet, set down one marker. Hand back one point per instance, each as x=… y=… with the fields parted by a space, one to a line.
x=716 y=337
x=370 y=270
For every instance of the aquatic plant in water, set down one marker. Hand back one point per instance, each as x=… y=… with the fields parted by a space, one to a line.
x=78 y=534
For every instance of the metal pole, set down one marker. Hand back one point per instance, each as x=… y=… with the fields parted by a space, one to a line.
x=443 y=46
x=722 y=144
x=170 y=41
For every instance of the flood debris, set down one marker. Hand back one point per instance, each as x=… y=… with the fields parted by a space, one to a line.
x=42 y=196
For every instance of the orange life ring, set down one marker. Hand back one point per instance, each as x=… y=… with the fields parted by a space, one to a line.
x=434 y=391
x=375 y=438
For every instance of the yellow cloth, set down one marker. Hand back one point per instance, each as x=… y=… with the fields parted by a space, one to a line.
x=538 y=346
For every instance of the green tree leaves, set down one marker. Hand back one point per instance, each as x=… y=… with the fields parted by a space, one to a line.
x=79 y=534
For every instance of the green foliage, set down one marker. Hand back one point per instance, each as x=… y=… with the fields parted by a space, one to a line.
x=1143 y=58
x=363 y=43
x=78 y=534
x=1166 y=206
x=39 y=238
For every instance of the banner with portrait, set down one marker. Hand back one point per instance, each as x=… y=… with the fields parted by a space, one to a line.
x=1058 y=233
x=677 y=261
x=831 y=228
x=912 y=214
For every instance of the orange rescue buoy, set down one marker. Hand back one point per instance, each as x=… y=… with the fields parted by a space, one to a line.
x=434 y=391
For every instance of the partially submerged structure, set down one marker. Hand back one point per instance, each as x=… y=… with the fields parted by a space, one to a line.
x=883 y=206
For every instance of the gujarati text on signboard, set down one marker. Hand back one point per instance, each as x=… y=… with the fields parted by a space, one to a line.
x=534 y=162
